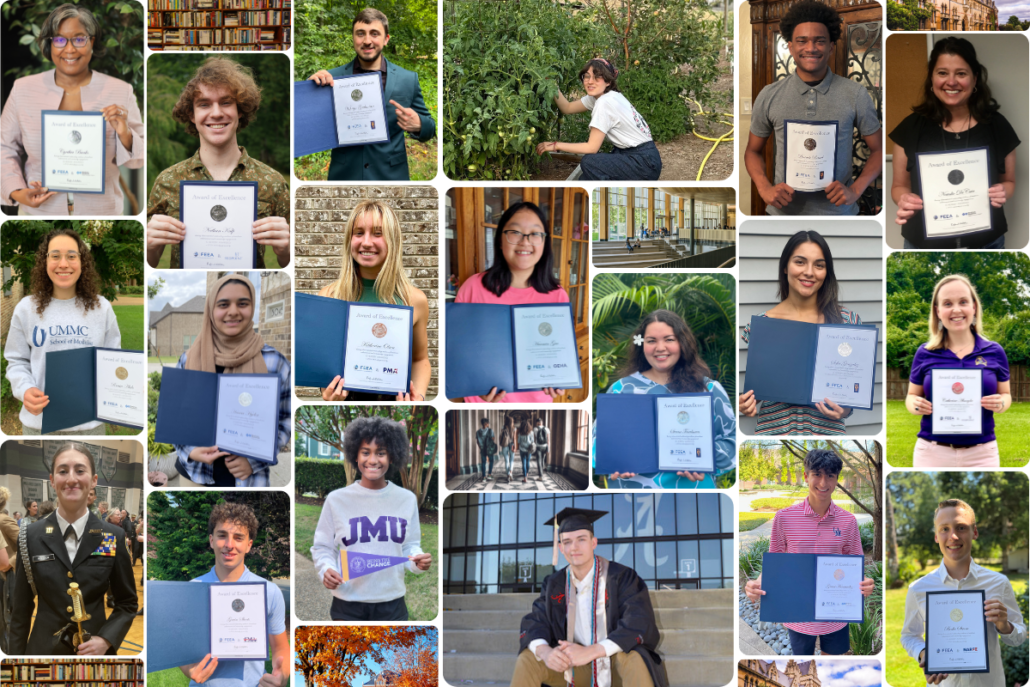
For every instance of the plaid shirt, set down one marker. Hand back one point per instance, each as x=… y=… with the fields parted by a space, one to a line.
x=202 y=473
x=273 y=191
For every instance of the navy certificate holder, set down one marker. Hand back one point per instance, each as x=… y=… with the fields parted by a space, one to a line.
x=788 y=580
x=321 y=340
x=786 y=134
x=187 y=410
x=71 y=384
x=958 y=234
x=926 y=614
x=781 y=360
x=49 y=184
x=182 y=188
x=480 y=348
x=627 y=433
x=315 y=118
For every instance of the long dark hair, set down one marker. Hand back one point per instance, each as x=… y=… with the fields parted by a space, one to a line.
x=87 y=288
x=497 y=279
x=828 y=292
x=689 y=372
x=981 y=104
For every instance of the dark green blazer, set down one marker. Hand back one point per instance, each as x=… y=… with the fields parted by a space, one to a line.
x=384 y=161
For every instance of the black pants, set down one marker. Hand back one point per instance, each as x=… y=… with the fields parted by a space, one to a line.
x=359 y=610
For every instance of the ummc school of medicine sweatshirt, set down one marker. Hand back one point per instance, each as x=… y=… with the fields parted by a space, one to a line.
x=62 y=326
x=379 y=521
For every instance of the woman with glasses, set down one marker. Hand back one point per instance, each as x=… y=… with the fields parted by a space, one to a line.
x=522 y=272
x=64 y=311
x=69 y=37
x=372 y=271
x=634 y=155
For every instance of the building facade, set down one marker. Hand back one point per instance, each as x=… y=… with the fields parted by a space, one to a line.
x=174 y=328
x=958 y=15
x=757 y=673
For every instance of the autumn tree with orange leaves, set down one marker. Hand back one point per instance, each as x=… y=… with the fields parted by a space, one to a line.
x=333 y=656
x=416 y=663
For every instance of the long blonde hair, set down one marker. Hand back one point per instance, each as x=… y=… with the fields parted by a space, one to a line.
x=938 y=333
x=392 y=281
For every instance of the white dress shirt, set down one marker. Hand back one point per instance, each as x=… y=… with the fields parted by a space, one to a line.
x=581 y=633
x=995 y=586
x=78 y=527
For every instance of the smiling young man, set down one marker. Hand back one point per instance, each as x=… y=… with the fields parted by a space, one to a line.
x=402 y=96
x=816 y=525
x=562 y=641
x=813 y=93
x=954 y=530
x=71 y=545
x=231 y=530
x=219 y=101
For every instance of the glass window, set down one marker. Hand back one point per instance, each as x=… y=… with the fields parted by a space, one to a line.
x=583 y=501
x=602 y=550
x=659 y=209
x=582 y=430
x=490 y=526
x=708 y=513
x=458 y=527
x=509 y=522
x=622 y=515
x=665 y=514
x=727 y=558
x=665 y=559
x=624 y=553
x=617 y=215
x=603 y=527
x=544 y=512
x=526 y=563
x=686 y=514
x=640 y=210
x=527 y=521
x=688 y=560
x=472 y=578
x=645 y=560
x=726 y=513
x=491 y=567
x=595 y=216
x=451 y=254
x=543 y=562
x=711 y=558
x=508 y=566
x=457 y=567
x=643 y=506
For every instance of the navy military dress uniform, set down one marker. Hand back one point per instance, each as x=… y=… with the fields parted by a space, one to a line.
x=101 y=561
x=384 y=161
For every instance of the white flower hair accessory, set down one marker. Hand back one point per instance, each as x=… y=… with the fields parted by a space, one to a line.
x=638 y=340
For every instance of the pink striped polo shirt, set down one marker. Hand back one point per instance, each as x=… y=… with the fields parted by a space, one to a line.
x=21 y=141
x=799 y=529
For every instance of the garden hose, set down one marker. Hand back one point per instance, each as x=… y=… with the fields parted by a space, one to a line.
x=717 y=141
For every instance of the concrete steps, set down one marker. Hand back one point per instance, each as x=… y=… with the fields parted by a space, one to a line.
x=662 y=598
x=703 y=642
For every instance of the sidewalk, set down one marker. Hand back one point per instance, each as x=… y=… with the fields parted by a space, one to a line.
x=311 y=600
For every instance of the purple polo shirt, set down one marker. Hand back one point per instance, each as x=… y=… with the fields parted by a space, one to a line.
x=989 y=357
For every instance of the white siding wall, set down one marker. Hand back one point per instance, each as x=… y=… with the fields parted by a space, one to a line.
x=857 y=247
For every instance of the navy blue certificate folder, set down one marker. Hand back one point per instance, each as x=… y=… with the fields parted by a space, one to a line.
x=788 y=580
x=781 y=361
x=314 y=127
x=178 y=630
x=321 y=340
x=627 y=433
x=70 y=382
x=187 y=410
x=480 y=349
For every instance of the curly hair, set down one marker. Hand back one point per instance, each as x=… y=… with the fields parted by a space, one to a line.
x=382 y=432
x=810 y=11
x=87 y=289
x=235 y=514
x=982 y=104
x=604 y=70
x=823 y=460
x=220 y=71
x=689 y=372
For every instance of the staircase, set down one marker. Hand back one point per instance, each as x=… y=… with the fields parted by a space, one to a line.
x=651 y=252
x=481 y=636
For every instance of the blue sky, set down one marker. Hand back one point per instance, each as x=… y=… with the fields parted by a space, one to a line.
x=847 y=673
x=182 y=285
x=1020 y=8
x=371 y=669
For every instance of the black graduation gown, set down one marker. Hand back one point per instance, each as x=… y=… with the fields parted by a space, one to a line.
x=630 y=617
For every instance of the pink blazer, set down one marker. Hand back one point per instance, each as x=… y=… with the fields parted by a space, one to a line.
x=20 y=141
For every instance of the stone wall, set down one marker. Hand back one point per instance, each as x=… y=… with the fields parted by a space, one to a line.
x=319 y=224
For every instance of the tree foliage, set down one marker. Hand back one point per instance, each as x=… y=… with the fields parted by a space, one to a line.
x=116 y=246
x=327 y=424
x=329 y=656
x=905 y=15
x=178 y=522
x=416 y=664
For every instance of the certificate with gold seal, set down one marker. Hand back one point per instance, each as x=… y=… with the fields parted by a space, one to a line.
x=837 y=593
x=377 y=356
x=955 y=187
x=956 y=633
x=359 y=110
x=121 y=387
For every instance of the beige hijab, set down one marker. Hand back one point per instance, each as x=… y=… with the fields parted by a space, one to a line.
x=238 y=354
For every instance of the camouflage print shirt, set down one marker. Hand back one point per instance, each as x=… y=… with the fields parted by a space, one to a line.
x=273 y=191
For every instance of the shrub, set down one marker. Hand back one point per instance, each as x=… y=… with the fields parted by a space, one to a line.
x=750 y=521
x=154 y=448
x=749 y=561
x=908 y=570
x=867 y=530
x=867 y=637
x=320 y=476
x=1014 y=658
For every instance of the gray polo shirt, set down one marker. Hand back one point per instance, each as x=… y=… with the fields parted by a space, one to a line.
x=834 y=98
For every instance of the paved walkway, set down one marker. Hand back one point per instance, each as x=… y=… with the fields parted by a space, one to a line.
x=311 y=600
x=750 y=643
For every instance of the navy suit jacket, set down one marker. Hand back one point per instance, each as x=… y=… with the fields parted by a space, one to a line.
x=384 y=161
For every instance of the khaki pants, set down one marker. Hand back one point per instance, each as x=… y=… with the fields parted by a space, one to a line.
x=628 y=669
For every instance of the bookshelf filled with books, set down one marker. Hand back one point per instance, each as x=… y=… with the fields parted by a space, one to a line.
x=219 y=24
x=41 y=672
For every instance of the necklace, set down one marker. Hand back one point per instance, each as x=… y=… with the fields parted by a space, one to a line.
x=958 y=136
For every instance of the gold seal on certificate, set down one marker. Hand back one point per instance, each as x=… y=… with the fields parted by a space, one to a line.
x=360 y=110
x=810 y=154
x=954 y=185
x=74 y=147
x=220 y=216
x=956 y=633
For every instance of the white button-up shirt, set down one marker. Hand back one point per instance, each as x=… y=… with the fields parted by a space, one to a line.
x=79 y=526
x=584 y=613
x=995 y=586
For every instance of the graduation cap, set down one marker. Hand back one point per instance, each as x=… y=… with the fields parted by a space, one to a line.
x=572 y=520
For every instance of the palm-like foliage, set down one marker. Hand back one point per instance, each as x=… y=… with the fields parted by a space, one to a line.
x=708 y=304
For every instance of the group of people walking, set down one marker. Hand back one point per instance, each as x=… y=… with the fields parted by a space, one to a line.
x=529 y=439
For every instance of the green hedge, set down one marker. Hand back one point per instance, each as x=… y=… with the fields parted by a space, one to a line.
x=779 y=503
x=750 y=521
x=321 y=476
x=1014 y=658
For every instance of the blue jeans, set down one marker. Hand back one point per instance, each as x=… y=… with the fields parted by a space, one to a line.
x=996 y=244
x=640 y=163
x=509 y=458
x=525 y=462
x=483 y=460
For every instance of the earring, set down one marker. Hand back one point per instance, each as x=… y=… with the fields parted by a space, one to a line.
x=974 y=89
x=940 y=326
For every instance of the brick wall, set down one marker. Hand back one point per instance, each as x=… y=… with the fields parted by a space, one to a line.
x=171 y=330
x=7 y=308
x=319 y=224
x=275 y=287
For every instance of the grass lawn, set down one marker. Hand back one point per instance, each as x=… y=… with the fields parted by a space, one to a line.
x=173 y=677
x=271 y=261
x=164 y=360
x=750 y=521
x=130 y=324
x=422 y=159
x=1011 y=430
x=422 y=594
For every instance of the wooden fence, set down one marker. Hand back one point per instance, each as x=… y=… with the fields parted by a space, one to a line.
x=897 y=383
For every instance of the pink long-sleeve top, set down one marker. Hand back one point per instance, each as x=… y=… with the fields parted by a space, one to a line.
x=21 y=141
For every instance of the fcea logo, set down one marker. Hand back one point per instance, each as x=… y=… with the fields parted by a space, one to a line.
x=535 y=367
x=834 y=385
x=364 y=368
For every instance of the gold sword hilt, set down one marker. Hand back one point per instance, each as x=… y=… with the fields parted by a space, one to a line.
x=79 y=614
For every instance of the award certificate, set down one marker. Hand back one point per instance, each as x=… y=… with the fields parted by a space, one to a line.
x=954 y=185
x=956 y=633
x=810 y=154
x=685 y=433
x=121 y=384
x=956 y=394
x=837 y=593
x=219 y=218
x=74 y=147
x=544 y=344
x=378 y=353
x=359 y=110
x=239 y=621
x=248 y=415
x=845 y=365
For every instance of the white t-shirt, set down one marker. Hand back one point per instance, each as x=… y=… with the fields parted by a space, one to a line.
x=618 y=119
